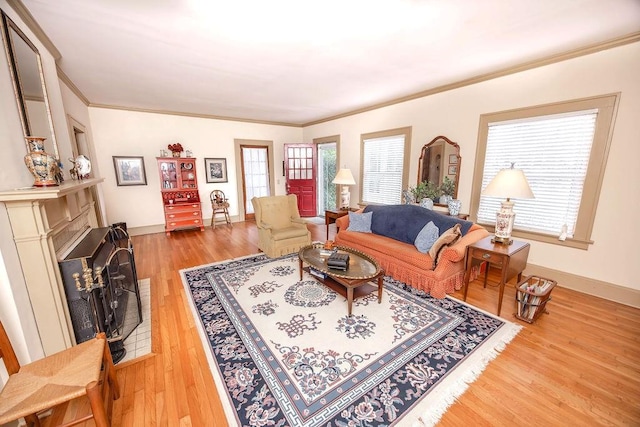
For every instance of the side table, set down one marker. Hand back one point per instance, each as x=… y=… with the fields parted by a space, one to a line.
x=511 y=259
x=330 y=216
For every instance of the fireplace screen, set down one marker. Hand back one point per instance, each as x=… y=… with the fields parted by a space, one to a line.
x=101 y=286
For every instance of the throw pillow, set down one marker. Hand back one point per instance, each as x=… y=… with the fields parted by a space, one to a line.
x=360 y=222
x=426 y=237
x=447 y=238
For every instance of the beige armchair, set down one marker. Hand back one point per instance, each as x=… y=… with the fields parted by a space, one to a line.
x=281 y=231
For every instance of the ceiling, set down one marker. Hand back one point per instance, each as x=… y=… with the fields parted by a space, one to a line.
x=296 y=62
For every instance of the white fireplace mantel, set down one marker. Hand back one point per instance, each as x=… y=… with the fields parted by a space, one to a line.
x=44 y=223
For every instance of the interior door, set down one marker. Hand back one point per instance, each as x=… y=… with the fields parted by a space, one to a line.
x=300 y=175
x=255 y=173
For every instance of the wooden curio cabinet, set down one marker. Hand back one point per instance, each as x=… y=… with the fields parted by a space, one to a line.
x=179 y=187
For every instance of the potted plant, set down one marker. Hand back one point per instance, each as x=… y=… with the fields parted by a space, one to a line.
x=447 y=188
x=426 y=192
x=176 y=149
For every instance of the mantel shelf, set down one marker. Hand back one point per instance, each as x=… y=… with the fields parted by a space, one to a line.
x=43 y=193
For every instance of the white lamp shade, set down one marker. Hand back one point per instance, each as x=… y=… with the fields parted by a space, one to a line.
x=344 y=177
x=509 y=183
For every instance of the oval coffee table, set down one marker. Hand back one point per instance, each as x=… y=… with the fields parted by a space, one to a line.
x=351 y=283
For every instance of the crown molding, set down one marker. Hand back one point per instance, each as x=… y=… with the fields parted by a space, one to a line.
x=24 y=14
x=66 y=80
x=587 y=50
x=202 y=116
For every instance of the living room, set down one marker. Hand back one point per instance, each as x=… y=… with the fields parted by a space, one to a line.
x=607 y=269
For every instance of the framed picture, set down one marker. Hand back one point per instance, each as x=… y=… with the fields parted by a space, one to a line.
x=215 y=170
x=130 y=170
x=453 y=169
x=453 y=159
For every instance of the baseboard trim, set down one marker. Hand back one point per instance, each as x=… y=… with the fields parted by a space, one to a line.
x=586 y=285
x=159 y=228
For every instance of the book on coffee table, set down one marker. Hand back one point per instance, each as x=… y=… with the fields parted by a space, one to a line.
x=338 y=261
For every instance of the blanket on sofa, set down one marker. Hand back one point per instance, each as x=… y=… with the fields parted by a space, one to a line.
x=404 y=222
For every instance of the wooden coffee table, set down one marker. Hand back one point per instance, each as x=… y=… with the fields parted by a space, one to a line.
x=351 y=283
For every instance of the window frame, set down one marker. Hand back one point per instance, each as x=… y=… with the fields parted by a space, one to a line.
x=607 y=106
x=406 y=131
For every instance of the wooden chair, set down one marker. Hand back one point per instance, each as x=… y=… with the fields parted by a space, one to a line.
x=220 y=206
x=84 y=370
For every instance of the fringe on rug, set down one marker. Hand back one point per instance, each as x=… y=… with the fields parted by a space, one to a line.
x=448 y=394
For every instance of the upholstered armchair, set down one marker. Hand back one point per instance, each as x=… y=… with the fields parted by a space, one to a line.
x=281 y=231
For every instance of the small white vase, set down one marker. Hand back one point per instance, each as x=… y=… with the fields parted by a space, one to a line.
x=444 y=199
x=454 y=207
x=427 y=203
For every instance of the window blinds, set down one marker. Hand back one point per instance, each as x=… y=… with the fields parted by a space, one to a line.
x=382 y=170
x=553 y=151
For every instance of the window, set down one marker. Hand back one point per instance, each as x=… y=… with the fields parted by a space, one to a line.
x=562 y=149
x=384 y=169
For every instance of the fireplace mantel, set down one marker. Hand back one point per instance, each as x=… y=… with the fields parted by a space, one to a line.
x=45 y=222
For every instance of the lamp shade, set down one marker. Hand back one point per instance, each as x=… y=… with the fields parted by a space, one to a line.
x=344 y=177
x=509 y=183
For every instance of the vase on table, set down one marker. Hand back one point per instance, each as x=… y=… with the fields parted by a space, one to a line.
x=454 y=207
x=444 y=199
x=408 y=197
x=43 y=166
x=427 y=203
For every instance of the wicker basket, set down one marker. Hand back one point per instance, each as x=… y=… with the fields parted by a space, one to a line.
x=532 y=296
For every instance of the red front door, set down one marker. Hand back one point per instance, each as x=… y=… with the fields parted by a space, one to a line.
x=300 y=173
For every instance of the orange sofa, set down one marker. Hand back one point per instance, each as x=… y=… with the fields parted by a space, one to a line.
x=405 y=263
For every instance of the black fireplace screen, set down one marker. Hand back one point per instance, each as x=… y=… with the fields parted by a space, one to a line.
x=101 y=286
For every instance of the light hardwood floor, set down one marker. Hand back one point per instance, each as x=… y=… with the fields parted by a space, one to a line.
x=578 y=365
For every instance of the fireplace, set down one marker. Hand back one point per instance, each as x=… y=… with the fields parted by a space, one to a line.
x=101 y=287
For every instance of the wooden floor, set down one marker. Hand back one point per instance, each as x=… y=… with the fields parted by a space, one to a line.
x=577 y=366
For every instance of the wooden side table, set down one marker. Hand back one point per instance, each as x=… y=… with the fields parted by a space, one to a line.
x=511 y=259
x=330 y=216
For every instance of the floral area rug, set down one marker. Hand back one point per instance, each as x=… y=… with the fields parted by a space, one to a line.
x=283 y=351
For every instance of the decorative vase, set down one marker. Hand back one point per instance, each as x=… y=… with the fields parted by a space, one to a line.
x=44 y=167
x=176 y=153
x=408 y=197
x=444 y=199
x=427 y=203
x=454 y=207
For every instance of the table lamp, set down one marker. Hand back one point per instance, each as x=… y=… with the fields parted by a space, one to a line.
x=509 y=183
x=344 y=178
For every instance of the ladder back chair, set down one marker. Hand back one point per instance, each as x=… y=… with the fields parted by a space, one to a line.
x=83 y=370
x=220 y=206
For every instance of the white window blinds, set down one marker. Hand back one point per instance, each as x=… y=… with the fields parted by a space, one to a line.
x=382 y=170
x=553 y=151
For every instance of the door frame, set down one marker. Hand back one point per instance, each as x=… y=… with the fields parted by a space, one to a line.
x=327 y=140
x=76 y=128
x=238 y=143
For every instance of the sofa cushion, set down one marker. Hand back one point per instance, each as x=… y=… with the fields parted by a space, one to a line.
x=360 y=222
x=426 y=237
x=404 y=222
x=448 y=238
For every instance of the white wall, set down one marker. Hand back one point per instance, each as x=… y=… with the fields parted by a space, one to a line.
x=614 y=255
x=15 y=307
x=127 y=133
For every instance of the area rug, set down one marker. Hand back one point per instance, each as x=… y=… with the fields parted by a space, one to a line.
x=283 y=351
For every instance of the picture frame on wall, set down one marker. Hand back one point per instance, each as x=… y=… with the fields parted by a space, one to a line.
x=130 y=170
x=453 y=159
x=215 y=169
x=453 y=169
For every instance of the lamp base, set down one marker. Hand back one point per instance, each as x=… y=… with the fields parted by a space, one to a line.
x=345 y=198
x=502 y=240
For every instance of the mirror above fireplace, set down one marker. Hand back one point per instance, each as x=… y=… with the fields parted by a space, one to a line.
x=29 y=87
